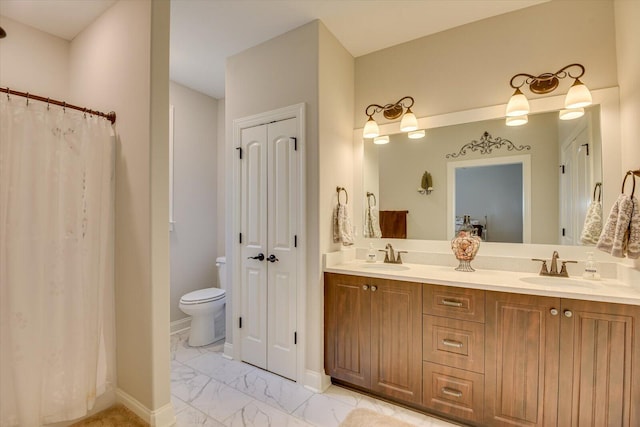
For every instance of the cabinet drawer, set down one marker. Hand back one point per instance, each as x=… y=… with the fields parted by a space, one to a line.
x=453 y=392
x=455 y=343
x=459 y=303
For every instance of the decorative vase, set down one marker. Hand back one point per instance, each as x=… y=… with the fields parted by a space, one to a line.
x=465 y=245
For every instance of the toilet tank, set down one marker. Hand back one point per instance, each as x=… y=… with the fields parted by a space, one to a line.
x=221 y=263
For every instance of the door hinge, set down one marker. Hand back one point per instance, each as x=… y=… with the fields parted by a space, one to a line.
x=295 y=338
x=586 y=145
x=564 y=232
x=240 y=322
x=295 y=241
x=562 y=168
x=239 y=151
x=295 y=143
x=240 y=237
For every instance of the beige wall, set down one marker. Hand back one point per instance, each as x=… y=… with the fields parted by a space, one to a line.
x=120 y=63
x=627 y=13
x=194 y=239
x=470 y=66
x=335 y=162
x=33 y=61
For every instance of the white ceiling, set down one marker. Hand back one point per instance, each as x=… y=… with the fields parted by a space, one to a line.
x=206 y=32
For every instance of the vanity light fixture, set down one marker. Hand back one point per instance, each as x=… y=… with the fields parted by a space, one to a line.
x=577 y=97
x=408 y=123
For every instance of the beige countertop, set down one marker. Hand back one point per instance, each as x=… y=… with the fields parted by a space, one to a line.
x=605 y=290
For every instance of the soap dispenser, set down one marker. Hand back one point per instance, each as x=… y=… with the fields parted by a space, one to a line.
x=590 y=268
x=372 y=254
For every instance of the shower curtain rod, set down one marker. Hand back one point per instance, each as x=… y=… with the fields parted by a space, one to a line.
x=111 y=116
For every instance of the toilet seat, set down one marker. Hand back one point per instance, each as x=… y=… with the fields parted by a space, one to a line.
x=202 y=296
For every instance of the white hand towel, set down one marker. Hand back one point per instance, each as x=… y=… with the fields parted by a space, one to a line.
x=615 y=237
x=371 y=224
x=592 y=224
x=342 y=229
x=633 y=247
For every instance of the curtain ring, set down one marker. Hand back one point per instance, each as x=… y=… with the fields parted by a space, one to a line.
x=633 y=179
x=85 y=113
x=48 y=103
x=64 y=106
x=8 y=93
x=27 y=99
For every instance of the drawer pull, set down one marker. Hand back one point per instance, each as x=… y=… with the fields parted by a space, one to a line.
x=451 y=392
x=452 y=343
x=451 y=303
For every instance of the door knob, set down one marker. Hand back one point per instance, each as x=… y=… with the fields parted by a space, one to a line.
x=259 y=257
x=568 y=313
x=374 y=288
x=365 y=287
x=272 y=258
x=554 y=311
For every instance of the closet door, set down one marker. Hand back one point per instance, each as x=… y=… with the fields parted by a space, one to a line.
x=282 y=183
x=254 y=243
x=269 y=197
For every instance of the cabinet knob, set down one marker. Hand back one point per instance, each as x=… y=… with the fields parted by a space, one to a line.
x=554 y=311
x=374 y=288
x=365 y=287
x=568 y=313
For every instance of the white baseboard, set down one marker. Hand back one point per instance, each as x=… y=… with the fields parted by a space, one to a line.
x=180 y=325
x=161 y=417
x=228 y=350
x=315 y=381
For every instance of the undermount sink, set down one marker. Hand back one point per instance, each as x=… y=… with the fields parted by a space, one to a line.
x=388 y=267
x=560 y=281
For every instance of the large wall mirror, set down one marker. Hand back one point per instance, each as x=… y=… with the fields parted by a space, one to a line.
x=533 y=188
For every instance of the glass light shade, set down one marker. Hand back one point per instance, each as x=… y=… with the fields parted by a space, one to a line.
x=518 y=105
x=517 y=121
x=571 y=114
x=384 y=139
x=409 y=121
x=416 y=134
x=578 y=96
x=371 y=129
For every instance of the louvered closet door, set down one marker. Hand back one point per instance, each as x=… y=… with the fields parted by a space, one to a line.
x=282 y=218
x=254 y=242
x=269 y=226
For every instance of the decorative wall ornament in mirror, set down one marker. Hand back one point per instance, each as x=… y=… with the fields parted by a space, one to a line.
x=486 y=145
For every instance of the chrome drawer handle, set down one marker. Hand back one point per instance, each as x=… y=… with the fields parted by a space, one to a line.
x=452 y=343
x=451 y=392
x=451 y=303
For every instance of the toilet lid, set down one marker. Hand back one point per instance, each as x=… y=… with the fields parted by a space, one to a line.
x=203 y=295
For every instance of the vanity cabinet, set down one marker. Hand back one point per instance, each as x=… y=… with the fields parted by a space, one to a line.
x=373 y=335
x=561 y=362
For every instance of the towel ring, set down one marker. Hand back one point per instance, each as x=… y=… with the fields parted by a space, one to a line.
x=346 y=195
x=598 y=187
x=369 y=196
x=633 y=179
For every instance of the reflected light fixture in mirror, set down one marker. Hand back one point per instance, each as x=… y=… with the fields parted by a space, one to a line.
x=408 y=123
x=571 y=113
x=416 y=134
x=517 y=121
x=380 y=140
x=577 y=97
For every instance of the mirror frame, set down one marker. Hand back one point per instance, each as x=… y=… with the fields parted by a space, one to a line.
x=607 y=98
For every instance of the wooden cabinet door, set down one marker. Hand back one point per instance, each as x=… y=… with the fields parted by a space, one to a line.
x=396 y=339
x=600 y=368
x=521 y=371
x=347 y=313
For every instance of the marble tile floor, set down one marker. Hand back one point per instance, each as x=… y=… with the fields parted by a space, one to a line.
x=212 y=391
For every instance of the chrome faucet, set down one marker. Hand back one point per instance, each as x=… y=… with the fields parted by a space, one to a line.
x=390 y=255
x=554 y=266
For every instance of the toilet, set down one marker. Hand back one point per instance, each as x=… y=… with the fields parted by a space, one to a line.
x=207 y=310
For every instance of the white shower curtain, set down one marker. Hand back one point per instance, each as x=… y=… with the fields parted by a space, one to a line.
x=57 y=351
